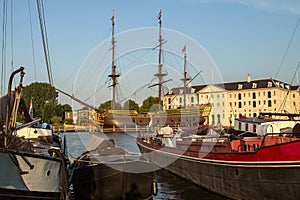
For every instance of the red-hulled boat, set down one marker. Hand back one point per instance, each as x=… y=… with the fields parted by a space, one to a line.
x=265 y=167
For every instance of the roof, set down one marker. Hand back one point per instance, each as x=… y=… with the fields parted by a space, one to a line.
x=239 y=85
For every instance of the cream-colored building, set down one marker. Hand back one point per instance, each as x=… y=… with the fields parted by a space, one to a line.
x=234 y=99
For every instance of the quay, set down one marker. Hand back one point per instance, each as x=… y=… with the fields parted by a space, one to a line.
x=91 y=128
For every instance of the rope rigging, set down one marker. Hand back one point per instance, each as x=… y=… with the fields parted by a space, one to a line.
x=288 y=47
x=32 y=41
x=4 y=26
x=41 y=13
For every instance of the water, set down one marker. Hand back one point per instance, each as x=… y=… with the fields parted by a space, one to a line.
x=169 y=185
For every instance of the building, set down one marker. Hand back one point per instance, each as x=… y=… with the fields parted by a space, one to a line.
x=80 y=117
x=234 y=99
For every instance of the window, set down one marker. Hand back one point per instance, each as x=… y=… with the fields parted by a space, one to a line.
x=180 y=100
x=254 y=127
x=239 y=96
x=240 y=104
x=219 y=118
x=169 y=100
x=246 y=127
x=254 y=95
x=254 y=104
x=192 y=99
x=269 y=94
x=240 y=86
x=269 y=84
x=254 y=85
x=269 y=103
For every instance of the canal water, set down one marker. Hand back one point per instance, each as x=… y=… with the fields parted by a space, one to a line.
x=169 y=186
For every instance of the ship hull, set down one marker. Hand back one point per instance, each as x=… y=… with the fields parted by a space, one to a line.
x=112 y=181
x=234 y=179
x=29 y=176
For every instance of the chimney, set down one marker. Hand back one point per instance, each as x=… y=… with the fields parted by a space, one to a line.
x=248 y=78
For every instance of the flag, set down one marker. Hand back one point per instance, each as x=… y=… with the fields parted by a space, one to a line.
x=150 y=124
x=184 y=49
x=113 y=17
x=159 y=15
x=30 y=109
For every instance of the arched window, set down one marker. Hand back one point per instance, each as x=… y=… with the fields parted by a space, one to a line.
x=219 y=118
x=254 y=95
x=269 y=94
x=212 y=119
x=239 y=96
x=240 y=104
x=269 y=103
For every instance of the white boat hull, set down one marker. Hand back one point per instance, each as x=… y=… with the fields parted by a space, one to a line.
x=29 y=172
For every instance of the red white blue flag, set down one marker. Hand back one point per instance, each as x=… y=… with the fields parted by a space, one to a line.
x=30 y=109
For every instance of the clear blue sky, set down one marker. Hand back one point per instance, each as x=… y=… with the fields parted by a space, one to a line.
x=241 y=36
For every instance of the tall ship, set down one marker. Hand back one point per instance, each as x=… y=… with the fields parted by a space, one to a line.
x=114 y=120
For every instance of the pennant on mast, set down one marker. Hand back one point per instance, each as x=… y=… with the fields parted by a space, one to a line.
x=113 y=17
x=159 y=15
x=184 y=49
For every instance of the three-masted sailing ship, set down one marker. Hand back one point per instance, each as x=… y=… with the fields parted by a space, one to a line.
x=114 y=120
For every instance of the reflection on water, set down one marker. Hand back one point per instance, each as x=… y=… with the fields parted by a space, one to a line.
x=169 y=186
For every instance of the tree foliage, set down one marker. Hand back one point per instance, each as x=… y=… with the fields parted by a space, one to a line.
x=150 y=104
x=107 y=105
x=131 y=105
x=44 y=101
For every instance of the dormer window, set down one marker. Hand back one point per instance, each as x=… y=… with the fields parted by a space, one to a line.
x=282 y=85
x=180 y=91
x=240 y=86
x=193 y=90
x=254 y=85
x=269 y=84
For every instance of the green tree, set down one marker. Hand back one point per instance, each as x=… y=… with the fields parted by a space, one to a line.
x=107 y=105
x=150 y=104
x=56 y=120
x=44 y=101
x=131 y=105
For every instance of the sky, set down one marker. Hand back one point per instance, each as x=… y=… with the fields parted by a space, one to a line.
x=233 y=37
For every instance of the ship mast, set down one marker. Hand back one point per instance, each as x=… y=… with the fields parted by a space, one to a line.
x=159 y=74
x=185 y=79
x=113 y=74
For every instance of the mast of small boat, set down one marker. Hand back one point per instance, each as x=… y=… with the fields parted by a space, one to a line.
x=160 y=75
x=113 y=74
